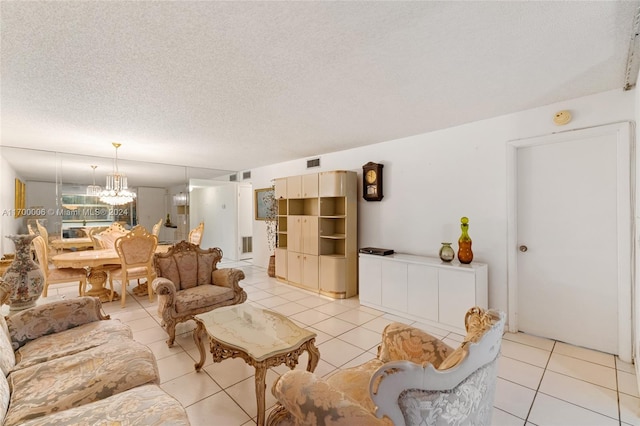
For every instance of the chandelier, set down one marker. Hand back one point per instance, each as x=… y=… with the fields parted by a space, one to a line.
x=116 y=191
x=94 y=189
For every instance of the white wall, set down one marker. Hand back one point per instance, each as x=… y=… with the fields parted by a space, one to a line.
x=432 y=179
x=8 y=223
x=217 y=206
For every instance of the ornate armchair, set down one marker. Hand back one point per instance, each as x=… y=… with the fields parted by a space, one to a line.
x=188 y=283
x=416 y=379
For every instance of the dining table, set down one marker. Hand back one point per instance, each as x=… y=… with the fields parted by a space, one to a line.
x=98 y=263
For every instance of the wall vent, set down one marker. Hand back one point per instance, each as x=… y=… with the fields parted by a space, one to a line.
x=233 y=178
x=246 y=175
x=313 y=163
x=247 y=244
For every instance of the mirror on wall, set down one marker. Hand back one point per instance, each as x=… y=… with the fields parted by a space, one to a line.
x=56 y=189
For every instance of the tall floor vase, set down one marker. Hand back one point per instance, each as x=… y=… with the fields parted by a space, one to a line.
x=23 y=275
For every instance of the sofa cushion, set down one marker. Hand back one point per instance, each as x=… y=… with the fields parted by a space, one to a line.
x=206 y=265
x=202 y=296
x=4 y=397
x=145 y=405
x=169 y=270
x=188 y=268
x=7 y=356
x=75 y=380
x=70 y=342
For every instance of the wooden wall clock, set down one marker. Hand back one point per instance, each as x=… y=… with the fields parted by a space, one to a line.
x=372 y=181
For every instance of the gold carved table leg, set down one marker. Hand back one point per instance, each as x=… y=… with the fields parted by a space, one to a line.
x=97 y=278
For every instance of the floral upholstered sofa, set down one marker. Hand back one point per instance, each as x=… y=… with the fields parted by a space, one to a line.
x=64 y=363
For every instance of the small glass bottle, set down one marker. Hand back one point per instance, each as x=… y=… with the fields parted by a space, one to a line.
x=465 y=254
x=446 y=252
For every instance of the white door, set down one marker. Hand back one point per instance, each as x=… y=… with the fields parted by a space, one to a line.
x=571 y=255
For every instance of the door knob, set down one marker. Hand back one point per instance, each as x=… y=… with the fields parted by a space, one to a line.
x=523 y=248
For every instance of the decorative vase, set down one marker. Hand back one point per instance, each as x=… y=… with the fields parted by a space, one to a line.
x=271 y=271
x=446 y=252
x=23 y=275
x=465 y=255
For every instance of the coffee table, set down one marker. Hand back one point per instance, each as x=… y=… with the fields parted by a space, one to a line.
x=262 y=338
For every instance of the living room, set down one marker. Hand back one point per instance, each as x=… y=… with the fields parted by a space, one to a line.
x=432 y=178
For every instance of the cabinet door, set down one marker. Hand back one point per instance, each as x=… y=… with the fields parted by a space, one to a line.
x=281 y=263
x=310 y=185
x=370 y=280
x=394 y=286
x=294 y=187
x=294 y=267
x=310 y=231
x=310 y=271
x=423 y=291
x=457 y=289
x=280 y=188
x=333 y=275
x=333 y=184
x=294 y=233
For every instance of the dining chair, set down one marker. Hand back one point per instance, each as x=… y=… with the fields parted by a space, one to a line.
x=156 y=228
x=42 y=230
x=108 y=237
x=135 y=250
x=55 y=275
x=195 y=235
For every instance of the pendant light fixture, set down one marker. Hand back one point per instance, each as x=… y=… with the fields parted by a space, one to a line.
x=116 y=191
x=94 y=189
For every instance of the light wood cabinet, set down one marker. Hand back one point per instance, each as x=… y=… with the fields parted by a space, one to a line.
x=317 y=228
x=423 y=288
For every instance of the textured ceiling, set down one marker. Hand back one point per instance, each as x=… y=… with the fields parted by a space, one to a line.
x=237 y=85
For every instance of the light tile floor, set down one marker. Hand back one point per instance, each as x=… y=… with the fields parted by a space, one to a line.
x=541 y=382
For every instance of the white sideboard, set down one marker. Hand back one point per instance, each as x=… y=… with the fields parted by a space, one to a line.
x=423 y=288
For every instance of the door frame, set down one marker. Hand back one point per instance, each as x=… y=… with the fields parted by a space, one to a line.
x=625 y=223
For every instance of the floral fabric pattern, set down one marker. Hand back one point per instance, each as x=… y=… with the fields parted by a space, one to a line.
x=188 y=268
x=145 y=405
x=7 y=356
x=202 y=296
x=71 y=381
x=469 y=403
x=168 y=269
x=71 y=341
x=312 y=401
x=206 y=265
x=402 y=342
x=4 y=397
x=52 y=318
x=354 y=382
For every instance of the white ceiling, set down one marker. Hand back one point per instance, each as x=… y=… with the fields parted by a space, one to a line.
x=237 y=85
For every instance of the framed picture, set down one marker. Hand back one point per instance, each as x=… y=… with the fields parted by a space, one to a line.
x=19 y=198
x=264 y=203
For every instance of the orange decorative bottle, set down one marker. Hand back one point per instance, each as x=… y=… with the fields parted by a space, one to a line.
x=465 y=255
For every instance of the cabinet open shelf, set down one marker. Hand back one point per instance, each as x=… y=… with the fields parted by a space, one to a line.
x=303 y=206
x=333 y=206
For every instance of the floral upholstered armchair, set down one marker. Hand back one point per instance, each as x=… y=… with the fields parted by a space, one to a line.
x=416 y=379
x=189 y=283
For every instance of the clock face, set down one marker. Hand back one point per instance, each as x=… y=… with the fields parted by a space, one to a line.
x=371 y=176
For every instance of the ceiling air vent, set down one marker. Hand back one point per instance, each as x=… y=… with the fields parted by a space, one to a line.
x=246 y=175
x=233 y=178
x=313 y=163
